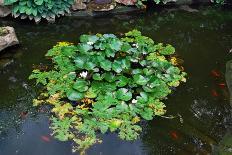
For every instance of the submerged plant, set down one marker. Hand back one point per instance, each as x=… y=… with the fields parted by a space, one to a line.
x=107 y=84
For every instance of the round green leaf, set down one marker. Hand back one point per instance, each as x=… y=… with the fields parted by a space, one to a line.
x=122 y=81
x=81 y=85
x=140 y=80
x=116 y=66
x=106 y=65
x=74 y=95
x=110 y=77
x=97 y=77
x=123 y=94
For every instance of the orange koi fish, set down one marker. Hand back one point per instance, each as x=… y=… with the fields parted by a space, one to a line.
x=215 y=73
x=174 y=135
x=214 y=93
x=45 y=138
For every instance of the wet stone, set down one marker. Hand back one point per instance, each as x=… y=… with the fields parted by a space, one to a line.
x=4 y=10
x=79 y=5
x=8 y=38
x=93 y=6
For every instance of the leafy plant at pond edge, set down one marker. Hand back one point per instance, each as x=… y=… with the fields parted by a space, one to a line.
x=107 y=84
x=38 y=9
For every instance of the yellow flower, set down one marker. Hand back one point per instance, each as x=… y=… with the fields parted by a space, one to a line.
x=135 y=119
x=61 y=44
x=174 y=61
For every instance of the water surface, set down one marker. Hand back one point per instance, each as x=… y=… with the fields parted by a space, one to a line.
x=202 y=39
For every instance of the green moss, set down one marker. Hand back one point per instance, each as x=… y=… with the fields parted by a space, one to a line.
x=3 y=31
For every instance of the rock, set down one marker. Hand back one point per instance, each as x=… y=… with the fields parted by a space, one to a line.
x=102 y=1
x=9 y=39
x=92 y=6
x=4 y=10
x=86 y=1
x=79 y=5
x=127 y=2
x=187 y=8
x=1 y=2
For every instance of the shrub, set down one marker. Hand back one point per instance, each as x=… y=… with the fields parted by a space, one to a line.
x=38 y=9
x=106 y=84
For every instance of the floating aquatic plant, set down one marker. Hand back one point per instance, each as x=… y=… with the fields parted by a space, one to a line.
x=107 y=84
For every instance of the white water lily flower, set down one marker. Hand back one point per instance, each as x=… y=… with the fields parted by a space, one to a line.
x=136 y=45
x=84 y=74
x=90 y=43
x=134 y=101
x=144 y=52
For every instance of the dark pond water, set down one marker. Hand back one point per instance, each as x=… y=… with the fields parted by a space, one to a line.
x=203 y=39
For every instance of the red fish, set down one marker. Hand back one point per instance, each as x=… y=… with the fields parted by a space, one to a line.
x=174 y=135
x=214 y=93
x=45 y=138
x=215 y=73
x=222 y=85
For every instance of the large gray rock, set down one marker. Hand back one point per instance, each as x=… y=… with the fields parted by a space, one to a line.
x=92 y=6
x=79 y=5
x=9 y=39
x=127 y=2
x=4 y=10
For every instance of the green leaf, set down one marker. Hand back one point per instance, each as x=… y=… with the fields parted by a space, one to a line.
x=89 y=65
x=75 y=95
x=140 y=80
x=168 y=50
x=79 y=62
x=38 y=2
x=116 y=66
x=125 y=63
x=83 y=48
x=106 y=65
x=90 y=39
x=91 y=93
x=97 y=77
x=147 y=114
x=123 y=94
x=81 y=85
x=116 y=44
x=110 y=77
x=122 y=81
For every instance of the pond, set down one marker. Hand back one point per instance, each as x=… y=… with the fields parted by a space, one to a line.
x=203 y=113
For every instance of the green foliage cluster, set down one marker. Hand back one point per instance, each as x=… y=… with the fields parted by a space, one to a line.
x=107 y=84
x=38 y=9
